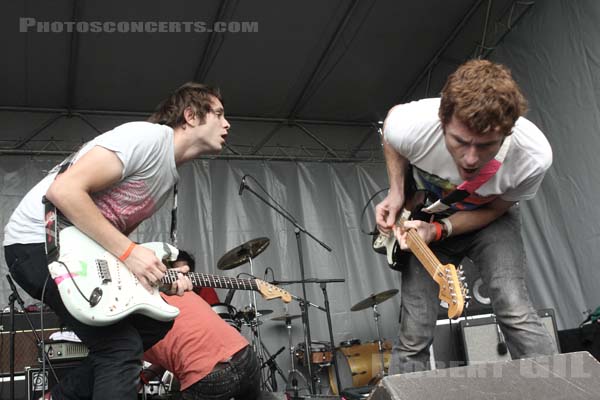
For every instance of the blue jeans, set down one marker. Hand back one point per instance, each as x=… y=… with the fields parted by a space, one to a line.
x=498 y=251
x=112 y=368
x=238 y=378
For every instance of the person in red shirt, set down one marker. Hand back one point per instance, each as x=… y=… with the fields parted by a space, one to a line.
x=209 y=357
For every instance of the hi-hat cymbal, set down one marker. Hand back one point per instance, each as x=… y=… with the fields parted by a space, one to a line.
x=285 y=317
x=241 y=254
x=374 y=299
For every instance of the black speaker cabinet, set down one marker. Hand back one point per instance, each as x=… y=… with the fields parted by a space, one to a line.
x=483 y=341
x=474 y=339
x=572 y=376
x=40 y=381
x=20 y=386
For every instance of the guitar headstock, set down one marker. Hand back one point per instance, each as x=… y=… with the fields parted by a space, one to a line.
x=269 y=291
x=452 y=289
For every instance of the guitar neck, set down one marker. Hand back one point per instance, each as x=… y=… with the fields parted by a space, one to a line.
x=213 y=281
x=423 y=253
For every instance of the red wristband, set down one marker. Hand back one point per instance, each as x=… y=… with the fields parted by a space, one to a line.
x=127 y=252
x=438 y=231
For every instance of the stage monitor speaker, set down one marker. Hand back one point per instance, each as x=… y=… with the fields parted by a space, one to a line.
x=483 y=340
x=572 y=376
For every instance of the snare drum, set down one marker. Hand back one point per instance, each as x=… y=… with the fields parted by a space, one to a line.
x=228 y=313
x=320 y=353
x=359 y=364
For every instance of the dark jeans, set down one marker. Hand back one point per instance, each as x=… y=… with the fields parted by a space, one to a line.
x=498 y=251
x=111 y=370
x=238 y=378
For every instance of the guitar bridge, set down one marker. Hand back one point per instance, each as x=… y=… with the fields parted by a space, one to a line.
x=103 y=271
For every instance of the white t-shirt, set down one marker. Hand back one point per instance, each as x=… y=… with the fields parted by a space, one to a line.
x=415 y=131
x=149 y=172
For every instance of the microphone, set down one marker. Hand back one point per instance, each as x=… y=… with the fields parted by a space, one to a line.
x=501 y=346
x=272 y=358
x=242 y=185
x=229 y=296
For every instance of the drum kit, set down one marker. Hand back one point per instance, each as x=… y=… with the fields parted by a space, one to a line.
x=311 y=371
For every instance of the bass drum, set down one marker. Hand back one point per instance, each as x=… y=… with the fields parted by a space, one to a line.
x=359 y=365
x=228 y=313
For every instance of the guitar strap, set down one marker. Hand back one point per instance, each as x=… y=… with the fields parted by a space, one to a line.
x=467 y=188
x=174 y=218
x=53 y=218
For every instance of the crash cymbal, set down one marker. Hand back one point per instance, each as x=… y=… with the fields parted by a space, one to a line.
x=242 y=253
x=285 y=317
x=374 y=299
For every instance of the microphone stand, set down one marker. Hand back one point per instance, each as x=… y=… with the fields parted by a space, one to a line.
x=297 y=229
x=14 y=296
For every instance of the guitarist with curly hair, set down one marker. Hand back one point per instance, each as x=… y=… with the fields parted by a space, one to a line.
x=476 y=157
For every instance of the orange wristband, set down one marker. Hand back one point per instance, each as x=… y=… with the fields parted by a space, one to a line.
x=438 y=231
x=127 y=252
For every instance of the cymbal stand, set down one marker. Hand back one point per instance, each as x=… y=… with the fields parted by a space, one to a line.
x=257 y=344
x=293 y=374
x=304 y=306
x=323 y=284
x=379 y=341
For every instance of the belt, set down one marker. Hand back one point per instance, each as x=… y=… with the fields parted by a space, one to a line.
x=227 y=363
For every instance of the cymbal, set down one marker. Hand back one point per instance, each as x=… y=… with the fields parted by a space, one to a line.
x=285 y=317
x=374 y=299
x=265 y=312
x=241 y=254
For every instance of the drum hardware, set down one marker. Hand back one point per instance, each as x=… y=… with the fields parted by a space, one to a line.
x=285 y=317
x=228 y=313
x=359 y=365
x=320 y=354
x=297 y=229
x=304 y=305
x=372 y=301
x=236 y=257
x=349 y=342
x=248 y=314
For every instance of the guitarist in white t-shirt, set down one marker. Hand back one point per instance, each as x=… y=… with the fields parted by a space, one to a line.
x=115 y=182
x=472 y=150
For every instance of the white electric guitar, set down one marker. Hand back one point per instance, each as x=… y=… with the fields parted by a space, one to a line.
x=98 y=289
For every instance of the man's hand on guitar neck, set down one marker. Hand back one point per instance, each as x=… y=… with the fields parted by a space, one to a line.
x=183 y=282
x=425 y=230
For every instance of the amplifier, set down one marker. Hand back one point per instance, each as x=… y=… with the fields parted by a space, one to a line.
x=50 y=320
x=26 y=349
x=64 y=351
